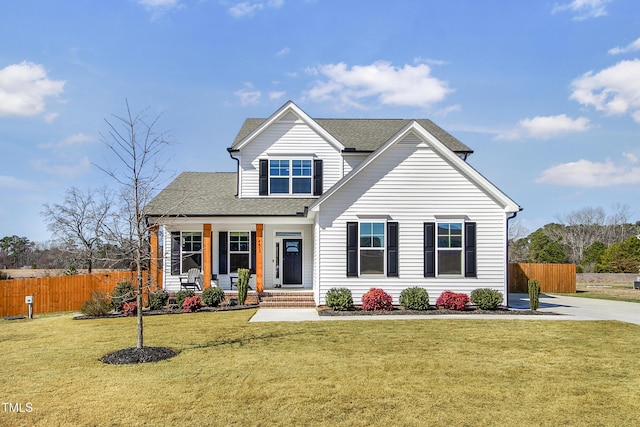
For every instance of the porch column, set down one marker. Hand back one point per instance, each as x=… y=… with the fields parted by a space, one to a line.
x=259 y=257
x=206 y=256
x=154 y=271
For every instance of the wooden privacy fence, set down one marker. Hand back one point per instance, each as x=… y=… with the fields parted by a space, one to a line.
x=59 y=293
x=553 y=278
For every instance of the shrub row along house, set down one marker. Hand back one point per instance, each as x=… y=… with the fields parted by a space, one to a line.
x=323 y=203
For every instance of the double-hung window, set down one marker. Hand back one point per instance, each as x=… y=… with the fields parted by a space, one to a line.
x=239 y=250
x=186 y=251
x=450 y=249
x=372 y=247
x=290 y=176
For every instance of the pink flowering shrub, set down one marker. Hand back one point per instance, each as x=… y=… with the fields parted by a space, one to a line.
x=192 y=304
x=452 y=300
x=376 y=300
x=130 y=308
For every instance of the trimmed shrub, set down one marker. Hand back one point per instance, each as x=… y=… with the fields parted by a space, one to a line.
x=452 y=300
x=130 y=308
x=182 y=295
x=534 y=294
x=158 y=299
x=192 y=304
x=212 y=296
x=339 y=299
x=124 y=292
x=98 y=304
x=414 y=298
x=486 y=299
x=377 y=300
x=243 y=284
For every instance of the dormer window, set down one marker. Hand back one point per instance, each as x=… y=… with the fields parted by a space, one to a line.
x=290 y=177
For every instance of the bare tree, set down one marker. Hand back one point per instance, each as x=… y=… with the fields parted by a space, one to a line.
x=78 y=222
x=137 y=147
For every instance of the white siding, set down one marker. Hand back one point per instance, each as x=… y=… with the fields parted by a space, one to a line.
x=410 y=184
x=284 y=139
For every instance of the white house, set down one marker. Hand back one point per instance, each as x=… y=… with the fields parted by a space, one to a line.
x=323 y=203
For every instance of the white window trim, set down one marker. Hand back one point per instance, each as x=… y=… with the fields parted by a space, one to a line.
x=184 y=253
x=229 y=251
x=290 y=159
x=373 y=220
x=450 y=220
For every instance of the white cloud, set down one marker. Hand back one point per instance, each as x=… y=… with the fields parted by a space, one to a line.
x=588 y=174
x=248 y=96
x=388 y=85
x=13 y=183
x=583 y=9
x=24 y=87
x=545 y=127
x=248 y=8
x=71 y=141
x=283 y=52
x=160 y=7
x=275 y=95
x=631 y=47
x=67 y=170
x=614 y=90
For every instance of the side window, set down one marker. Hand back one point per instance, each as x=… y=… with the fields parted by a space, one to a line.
x=450 y=249
x=372 y=247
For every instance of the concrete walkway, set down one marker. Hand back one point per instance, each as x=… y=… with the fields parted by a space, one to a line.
x=567 y=308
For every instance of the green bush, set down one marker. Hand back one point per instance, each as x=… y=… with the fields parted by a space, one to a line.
x=158 y=299
x=486 y=299
x=212 y=296
x=243 y=284
x=124 y=292
x=182 y=295
x=414 y=298
x=340 y=299
x=98 y=304
x=534 y=294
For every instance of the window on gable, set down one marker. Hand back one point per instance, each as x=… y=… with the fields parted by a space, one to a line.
x=372 y=247
x=290 y=176
x=450 y=248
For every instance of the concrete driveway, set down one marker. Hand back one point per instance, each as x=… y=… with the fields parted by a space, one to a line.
x=568 y=308
x=576 y=308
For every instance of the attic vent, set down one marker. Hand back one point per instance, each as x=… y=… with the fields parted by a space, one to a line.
x=411 y=139
x=289 y=118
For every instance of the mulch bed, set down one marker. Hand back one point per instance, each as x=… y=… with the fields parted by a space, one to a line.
x=325 y=311
x=138 y=355
x=172 y=309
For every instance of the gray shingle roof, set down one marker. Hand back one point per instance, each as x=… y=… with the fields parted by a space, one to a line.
x=214 y=194
x=365 y=134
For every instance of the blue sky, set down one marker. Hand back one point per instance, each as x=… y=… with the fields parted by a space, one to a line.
x=547 y=93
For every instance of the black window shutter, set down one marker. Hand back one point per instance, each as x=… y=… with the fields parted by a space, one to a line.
x=392 y=249
x=429 y=249
x=264 y=177
x=352 y=249
x=470 y=269
x=253 y=252
x=175 y=252
x=317 y=177
x=222 y=253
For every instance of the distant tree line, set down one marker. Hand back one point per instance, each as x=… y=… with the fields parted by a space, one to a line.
x=590 y=238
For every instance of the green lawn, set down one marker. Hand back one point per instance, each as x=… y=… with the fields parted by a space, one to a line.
x=352 y=373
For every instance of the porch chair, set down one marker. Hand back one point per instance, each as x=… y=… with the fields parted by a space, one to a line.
x=193 y=280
